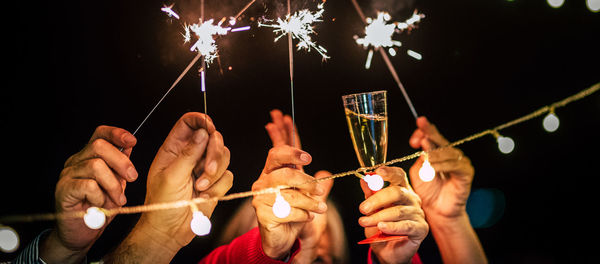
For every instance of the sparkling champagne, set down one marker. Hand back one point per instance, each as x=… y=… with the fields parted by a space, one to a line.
x=369 y=137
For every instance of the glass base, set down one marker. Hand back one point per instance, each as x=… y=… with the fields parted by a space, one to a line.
x=380 y=237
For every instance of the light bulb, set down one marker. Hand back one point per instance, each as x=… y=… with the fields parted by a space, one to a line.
x=94 y=218
x=200 y=224
x=426 y=172
x=281 y=208
x=593 y=5
x=374 y=181
x=555 y=3
x=9 y=240
x=505 y=144
x=551 y=122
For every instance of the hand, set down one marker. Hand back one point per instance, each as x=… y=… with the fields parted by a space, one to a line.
x=95 y=176
x=445 y=196
x=282 y=130
x=192 y=143
x=278 y=234
x=310 y=235
x=395 y=210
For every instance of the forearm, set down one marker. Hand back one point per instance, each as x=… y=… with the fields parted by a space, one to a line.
x=456 y=239
x=143 y=246
x=52 y=251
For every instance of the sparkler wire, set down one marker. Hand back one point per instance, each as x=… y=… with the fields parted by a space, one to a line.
x=183 y=203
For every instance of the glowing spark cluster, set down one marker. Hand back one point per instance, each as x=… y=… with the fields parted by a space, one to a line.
x=379 y=33
x=205 y=31
x=169 y=11
x=299 y=25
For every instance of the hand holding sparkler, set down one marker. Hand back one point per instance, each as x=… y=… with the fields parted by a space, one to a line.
x=279 y=229
x=189 y=150
x=94 y=177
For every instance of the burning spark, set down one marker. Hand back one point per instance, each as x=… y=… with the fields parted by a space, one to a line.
x=414 y=54
x=206 y=44
x=379 y=33
x=240 y=29
x=299 y=25
x=169 y=11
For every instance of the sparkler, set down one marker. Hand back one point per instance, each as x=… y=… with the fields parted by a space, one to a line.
x=300 y=27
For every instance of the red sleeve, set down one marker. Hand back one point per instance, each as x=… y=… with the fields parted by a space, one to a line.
x=245 y=249
x=415 y=259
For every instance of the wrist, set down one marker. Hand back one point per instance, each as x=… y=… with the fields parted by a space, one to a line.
x=155 y=239
x=53 y=250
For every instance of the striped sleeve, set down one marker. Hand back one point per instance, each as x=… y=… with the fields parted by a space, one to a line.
x=30 y=254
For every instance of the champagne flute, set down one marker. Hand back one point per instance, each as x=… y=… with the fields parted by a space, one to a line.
x=366 y=114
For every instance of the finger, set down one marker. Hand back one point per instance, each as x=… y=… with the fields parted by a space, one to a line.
x=96 y=169
x=115 y=159
x=222 y=186
x=393 y=175
x=276 y=137
x=182 y=131
x=284 y=156
x=265 y=212
x=277 y=119
x=299 y=200
x=415 y=138
x=431 y=132
x=117 y=136
x=391 y=195
x=415 y=230
x=292 y=132
x=445 y=154
x=215 y=163
x=392 y=214
x=71 y=191
x=462 y=166
x=295 y=178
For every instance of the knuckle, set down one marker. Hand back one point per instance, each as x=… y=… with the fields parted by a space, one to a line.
x=96 y=165
x=98 y=145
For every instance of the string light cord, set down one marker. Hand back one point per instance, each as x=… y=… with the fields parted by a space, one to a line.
x=275 y=190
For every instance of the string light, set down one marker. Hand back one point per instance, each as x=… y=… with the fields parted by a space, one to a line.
x=505 y=144
x=9 y=239
x=281 y=208
x=426 y=172
x=593 y=5
x=94 y=218
x=555 y=3
x=280 y=203
x=551 y=122
x=200 y=223
x=374 y=181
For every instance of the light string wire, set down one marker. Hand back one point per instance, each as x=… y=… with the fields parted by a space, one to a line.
x=273 y=190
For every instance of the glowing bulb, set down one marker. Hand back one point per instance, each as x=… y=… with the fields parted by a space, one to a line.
x=9 y=240
x=505 y=144
x=374 y=181
x=593 y=5
x=281 y=208
x=94 y=218
x=551 y=122
x=426 y=172
x=555 y=3
x=200 y=224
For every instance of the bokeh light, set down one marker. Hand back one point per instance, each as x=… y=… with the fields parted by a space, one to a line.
x=555 y=3
x=485 y=207
x=9 y=240
x=593 y=5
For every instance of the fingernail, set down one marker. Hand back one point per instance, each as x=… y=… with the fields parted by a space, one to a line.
x=128 y=138
x=322 y=206
x=305 y=157
x=212 y=167
x=382 y=225
x=365 y=207
x=319 y=190
x=363 y=221
x=123 y=199
x=200 y=136
x=131 y=174
x=203 y=183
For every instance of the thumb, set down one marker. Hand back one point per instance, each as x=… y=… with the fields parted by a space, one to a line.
x=188 y=157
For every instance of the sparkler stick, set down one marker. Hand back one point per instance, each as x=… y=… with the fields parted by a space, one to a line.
x=388 y=63
x=291 y=61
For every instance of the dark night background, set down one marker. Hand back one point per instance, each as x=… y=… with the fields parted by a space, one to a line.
x=71 y=66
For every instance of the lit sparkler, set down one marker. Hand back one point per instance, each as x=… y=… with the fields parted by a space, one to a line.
x=169 y=11
x=379 y=33
x=299 y=25
x=205 y=31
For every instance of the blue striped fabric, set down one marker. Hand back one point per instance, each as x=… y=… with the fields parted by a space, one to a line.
x=30 y=254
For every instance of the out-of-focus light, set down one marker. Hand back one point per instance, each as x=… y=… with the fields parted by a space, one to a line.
x=593 y=5
x=392 y=51
x=414 y=54
x=485 y=207
x=426 y=172
x=374 y=181
x=555 y=3
x=551 y=122
x=505 y=144
x=200 y=224
x=94 y=218
x=9 y=240
x=281 y=208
